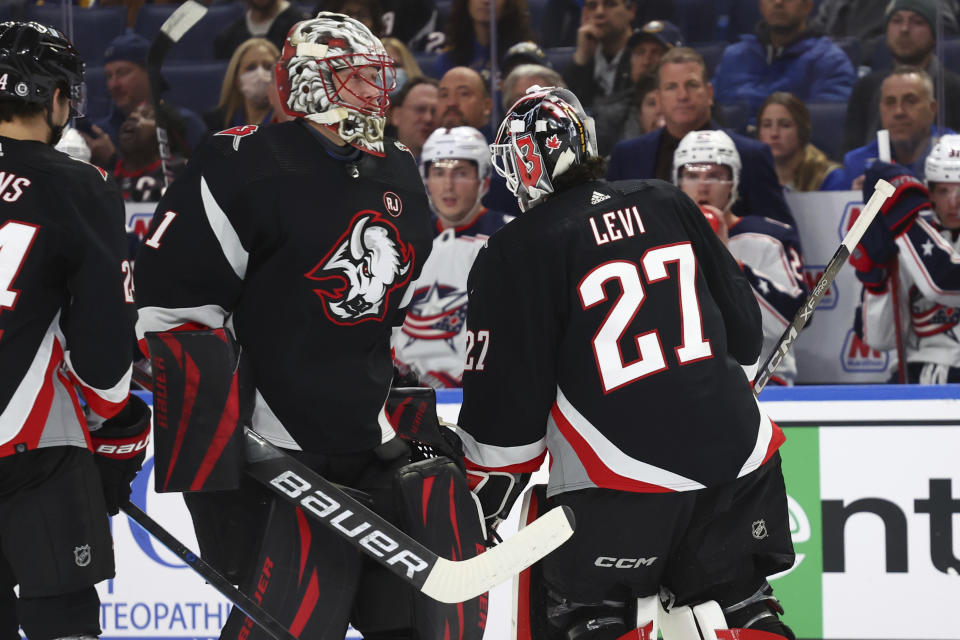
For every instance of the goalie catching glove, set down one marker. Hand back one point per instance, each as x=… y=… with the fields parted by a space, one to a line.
x=878 y=247
x=119 y=447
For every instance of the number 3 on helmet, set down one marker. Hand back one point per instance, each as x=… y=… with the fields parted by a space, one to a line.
x=544 y=135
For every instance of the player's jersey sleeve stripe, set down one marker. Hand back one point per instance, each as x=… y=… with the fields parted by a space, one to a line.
x=32 y=386
x=605 y=464
x=105 y=402
x=226 y=235
x=519 y=459
x=266 y=423
x=164 y=319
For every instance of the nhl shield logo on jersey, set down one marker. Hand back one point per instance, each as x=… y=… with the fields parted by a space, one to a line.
x=239 y=133
x=81 y=555
x=368 y=262
x=760 y=530
x=392 y=203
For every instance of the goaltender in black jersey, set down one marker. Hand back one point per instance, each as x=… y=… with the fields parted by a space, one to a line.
x=608 y=326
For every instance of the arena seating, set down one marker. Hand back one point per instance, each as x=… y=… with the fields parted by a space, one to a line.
x=92 y=28
x=197 y=44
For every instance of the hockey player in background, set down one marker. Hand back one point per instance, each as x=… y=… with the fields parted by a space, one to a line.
x=920 y=234
x=66 y=335
x=706 y=166
x=610 y=325
x=299 y=241
x=455 y=165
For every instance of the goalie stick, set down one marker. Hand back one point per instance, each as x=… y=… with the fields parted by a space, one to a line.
x=882 y=191
x=172 y=29
x=443 y=580
x=267 y=622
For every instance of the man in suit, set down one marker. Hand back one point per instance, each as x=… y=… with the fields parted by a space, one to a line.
x=686 y=97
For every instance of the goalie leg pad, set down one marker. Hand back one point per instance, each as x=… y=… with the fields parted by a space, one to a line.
x=200 y=407
x=305 y=576
x=437 y=509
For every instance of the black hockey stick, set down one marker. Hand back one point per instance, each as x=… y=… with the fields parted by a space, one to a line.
x=267 y=622
x=172 y=29
x=443 y=580
x=882 y=191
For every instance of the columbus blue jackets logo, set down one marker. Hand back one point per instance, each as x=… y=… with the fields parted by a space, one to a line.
x=239 y=133
x=437 y=312
x=360 y=272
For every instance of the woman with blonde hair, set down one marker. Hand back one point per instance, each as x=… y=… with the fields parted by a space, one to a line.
x=406 y=64
x=783 y=122
x=245 y=95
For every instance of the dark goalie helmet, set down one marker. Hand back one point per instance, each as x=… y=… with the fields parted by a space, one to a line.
x=36 y=59
x=545 y=133
x=334 y=44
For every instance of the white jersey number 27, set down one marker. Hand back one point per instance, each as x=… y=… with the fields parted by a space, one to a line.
x=614 y=372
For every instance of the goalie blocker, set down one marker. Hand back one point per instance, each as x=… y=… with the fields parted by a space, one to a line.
x=200 y=407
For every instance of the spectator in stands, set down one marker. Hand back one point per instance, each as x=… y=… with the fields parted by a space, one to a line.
x=561 y=19
x=245 y=95
x=367 y=12
x=413 y=113
x=464 y=99
x=527 y=52
x=599 y=73
x=784 y=55
x=645 y=113
x=270 y=19
x=783 y=122
x=648 y=44
x=139 y=171
x=522 y=78
x=911 y=38
x=125 y=68
x=907 y=111
x=864 y=19
x=468 y=33
x=405 y=64
x=686 y=97
x=414 y=22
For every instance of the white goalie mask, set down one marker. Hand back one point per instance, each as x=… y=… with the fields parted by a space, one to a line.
x=335 y=72
x=708 y=147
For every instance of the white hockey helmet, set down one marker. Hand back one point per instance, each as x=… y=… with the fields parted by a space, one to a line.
x=456 y=143
x=315 y=49
x=943 y=161
x=708 y=147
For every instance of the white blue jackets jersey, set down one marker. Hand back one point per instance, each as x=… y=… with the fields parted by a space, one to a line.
x=307 y=256
x=433 y=339
x=66 y=297
x=770 y=253
x=612 y=335
x=929 y=278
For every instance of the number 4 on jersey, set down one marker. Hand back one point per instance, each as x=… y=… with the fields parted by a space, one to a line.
x=16 y=239
x=614 y=372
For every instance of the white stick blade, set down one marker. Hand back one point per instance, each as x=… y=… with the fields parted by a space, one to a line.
x=881 y=191
x=453 y=582
x=183 y=19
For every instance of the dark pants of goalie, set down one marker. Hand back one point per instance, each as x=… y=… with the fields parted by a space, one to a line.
x=55 y=542
x=314 y=582
x=714 y=544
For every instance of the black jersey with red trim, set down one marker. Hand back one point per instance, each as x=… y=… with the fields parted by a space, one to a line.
x=66 y=297
x=307 y=255
x=612 y=334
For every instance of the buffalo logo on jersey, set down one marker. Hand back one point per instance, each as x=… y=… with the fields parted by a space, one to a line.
x=368 y=262
x=437 y=312
x=239 y=133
